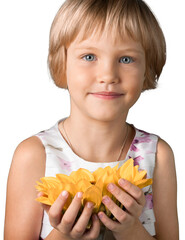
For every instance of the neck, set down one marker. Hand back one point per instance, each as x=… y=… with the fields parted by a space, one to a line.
x=94 y=140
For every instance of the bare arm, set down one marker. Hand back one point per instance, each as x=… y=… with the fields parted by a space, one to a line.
x=23 y=214
x=165 y=194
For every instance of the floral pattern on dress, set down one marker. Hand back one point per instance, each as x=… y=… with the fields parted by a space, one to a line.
x=143 y=139
x=149 y=201
x=65 y=165
x=137 y=159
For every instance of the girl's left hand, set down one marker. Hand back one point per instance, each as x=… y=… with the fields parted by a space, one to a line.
x=133 y=200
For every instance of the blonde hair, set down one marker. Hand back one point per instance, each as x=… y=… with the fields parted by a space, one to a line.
x=119 y=17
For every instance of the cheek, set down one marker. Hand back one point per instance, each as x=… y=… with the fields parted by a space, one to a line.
x=78 y=76
x=135 y=81
x=73 y=75
x=134 y=86
x=133 y=75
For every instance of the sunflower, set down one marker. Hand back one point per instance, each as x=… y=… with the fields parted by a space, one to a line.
x=93 y=185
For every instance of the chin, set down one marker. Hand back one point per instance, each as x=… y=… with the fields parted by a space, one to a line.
x=105 y=116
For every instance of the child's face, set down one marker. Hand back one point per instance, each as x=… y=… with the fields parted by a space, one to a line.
x=104 y=78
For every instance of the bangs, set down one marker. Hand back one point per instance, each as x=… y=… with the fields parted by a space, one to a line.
x=117 y=19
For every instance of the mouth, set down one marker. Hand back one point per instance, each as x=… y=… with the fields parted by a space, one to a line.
x=107 y=95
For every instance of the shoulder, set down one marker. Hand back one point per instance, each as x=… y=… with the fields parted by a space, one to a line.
x=164 y=150
x=22 y=211
x=165 y=192
x=29 y=152
x=28 y=163
x=165 y=162
x=30 y=147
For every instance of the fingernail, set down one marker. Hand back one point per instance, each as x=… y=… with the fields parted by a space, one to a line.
x=90 y=204
x=64 y=193
x=79 y=194
x=105 y=199
x=40 y=194
x=110 y=186
x=100 y=215
x=121 y=181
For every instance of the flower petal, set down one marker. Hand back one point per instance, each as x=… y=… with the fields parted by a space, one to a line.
x=143 y=183
x=127 y=170
x=82 y=173
x=82 y=185
x=140 y=175
x=64 y=178
x=44 y=200
x=93 y=194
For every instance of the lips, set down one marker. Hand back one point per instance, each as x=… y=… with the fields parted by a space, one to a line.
x=107 y=95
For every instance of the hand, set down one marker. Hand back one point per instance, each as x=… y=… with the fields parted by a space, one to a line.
x=66 y=224
x=133 y=199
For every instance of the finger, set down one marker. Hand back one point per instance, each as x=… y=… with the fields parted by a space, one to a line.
x=55 y=212
x=125 y=199
x=119 y=214
x=94 y=231
x=133 y=190
x=110 y=224
x=81 y=224
x=71 y=213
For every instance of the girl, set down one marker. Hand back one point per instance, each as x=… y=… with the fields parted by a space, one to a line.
x=106 y=53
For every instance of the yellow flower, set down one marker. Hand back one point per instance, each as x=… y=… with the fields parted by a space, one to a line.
x=93 y=185
x=52 y=187
x=131 y=173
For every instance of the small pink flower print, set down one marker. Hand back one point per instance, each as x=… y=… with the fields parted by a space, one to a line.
x=145 y=139
x=149 y=201
x=133 y=147
x=65 y=164
x=137 y=160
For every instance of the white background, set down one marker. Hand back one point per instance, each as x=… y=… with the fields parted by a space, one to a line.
x=30 y=102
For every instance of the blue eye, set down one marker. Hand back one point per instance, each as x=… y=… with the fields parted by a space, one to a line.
x=89 y=57
x=127 y=60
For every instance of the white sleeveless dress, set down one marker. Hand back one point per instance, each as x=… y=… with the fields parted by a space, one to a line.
x=61 y=159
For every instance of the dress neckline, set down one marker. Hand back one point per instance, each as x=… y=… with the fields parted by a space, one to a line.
x=76 y=157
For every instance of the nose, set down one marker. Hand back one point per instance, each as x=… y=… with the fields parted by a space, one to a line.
x=108 y=74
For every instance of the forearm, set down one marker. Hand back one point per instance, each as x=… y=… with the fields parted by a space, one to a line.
x=138 y=233
x=55 y=235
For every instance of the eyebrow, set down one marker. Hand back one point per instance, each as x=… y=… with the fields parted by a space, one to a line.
x=120 y=49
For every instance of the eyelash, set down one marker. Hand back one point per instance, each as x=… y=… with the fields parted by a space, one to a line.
x=131 y=59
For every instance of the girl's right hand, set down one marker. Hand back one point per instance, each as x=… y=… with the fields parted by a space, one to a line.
x=66 y=224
